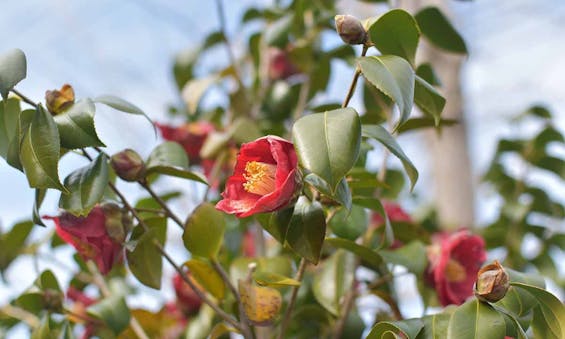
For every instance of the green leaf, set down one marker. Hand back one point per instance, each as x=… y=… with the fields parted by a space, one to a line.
x=328 y=143
x=200 y=325
x=396 y=32
x=9 y=124
x=424 y=122
x=113 y=311
x=394 y=77
x=435 y=326
x=13 y=68
x=549 y=316
x=380 y=134
x=412 y=256
x=428 y=99
x=277 y=223
x=86 y=187
x=426 y=72
x=13 y=156
x=207 y=277
x=145 y=261
x=264 y=278
x=12 y=243
x=407 y=328
x=40 y=151
x=376 y=205
x=366 y=254
x=307 y=229
x=204 y=231
x=123 y=106
x=39 y=196
x=76 y=126
x=169 y=158
x=44 y=330
x=349 y=224
x=476 y=320
x=439 y=31
x=342 y=193
x=532 y=279
x=221 y=329
x=333 y=280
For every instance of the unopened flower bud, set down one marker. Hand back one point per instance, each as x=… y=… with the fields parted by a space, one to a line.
x=350 y=29
x=492 y=282
x=53 y=300
x=128 y=165
x=117 y=222
x=59 y=101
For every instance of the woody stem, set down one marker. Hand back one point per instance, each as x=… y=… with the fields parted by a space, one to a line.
x=298 y=277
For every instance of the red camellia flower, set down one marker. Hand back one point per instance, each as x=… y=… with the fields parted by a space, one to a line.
x=394 y=212
x=191 y=136
x=88 y=235
x=264 y=179
x=187 y=300
x=280 y=65
x=455 y=260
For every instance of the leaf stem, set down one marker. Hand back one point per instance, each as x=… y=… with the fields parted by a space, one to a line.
x=287 y=314
x=353 y=84
x=163 y=204
x=24 y=98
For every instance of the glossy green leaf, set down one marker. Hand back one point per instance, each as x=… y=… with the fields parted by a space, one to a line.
x=169 y=158
x=207 y=277
x=76 y=126
x=113 y=311
x=549 y=316
x=264 y=278
x=38 y=200
x=380 y=134
x=327 y=144
x=406 y=328
x=476 y=320
x=9 y=124
x=204 y=231
x=428 y=99
x=307 y=229
x=12 y=243
x=13 y=68
x=123 y=106
x=86 y=187
x=414 y=124
x=532 y=279
x=349 y=224
x=40 y=151
x=376 y=205
x=277 y=223
x=396 y=32
x=426 y=72
x=342 y=193
x=435 y=326
x=366 y=254
x=145 y=261
x=439 y=31
x=412 y=256
x=394 y=77
x=13 y=156
x=279 y=265
x=333 y=280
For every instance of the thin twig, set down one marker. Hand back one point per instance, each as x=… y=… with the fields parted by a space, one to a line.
x=302 y=99
x=163 y=204
x=231 y=54
x=356 y=75
x=24 y=98
x=286 y=319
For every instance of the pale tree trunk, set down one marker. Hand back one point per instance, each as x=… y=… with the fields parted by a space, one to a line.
x=449 y=151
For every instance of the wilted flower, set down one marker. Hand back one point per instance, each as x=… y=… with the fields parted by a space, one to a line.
x=128 y=165
x=280 y=65
x=89 y=236
x=187 y=300
x=191 y=136
x=350 y=29
x=492 y=282
x=58 y=101
x=455 y=260
x=264 y=179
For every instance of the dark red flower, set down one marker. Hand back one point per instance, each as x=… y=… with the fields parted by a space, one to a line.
x=89 y=237
x=191 y=136
x=187 y=300
x=264 y=179
x=394 y=212
x=280 y=65
x=455 y=260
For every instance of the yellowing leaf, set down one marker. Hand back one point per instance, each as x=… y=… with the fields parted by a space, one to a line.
x=261 y=304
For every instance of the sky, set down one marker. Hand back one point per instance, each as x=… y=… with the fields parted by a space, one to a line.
x=127 y=48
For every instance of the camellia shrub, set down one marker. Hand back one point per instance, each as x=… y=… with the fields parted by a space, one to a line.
x=293 y=236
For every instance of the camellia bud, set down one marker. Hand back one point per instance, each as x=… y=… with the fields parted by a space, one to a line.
x=59 y=101
x=128 y=165
x=492 y=282
x=117 y=222
x=350 y=29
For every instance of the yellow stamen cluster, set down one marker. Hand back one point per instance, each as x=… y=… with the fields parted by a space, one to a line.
x=454 y=271
x=260 y=177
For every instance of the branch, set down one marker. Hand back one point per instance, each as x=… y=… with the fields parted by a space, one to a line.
x=286 y=319
x=163 y=204
x=356 y=75
x=231 y=54
x=24 y=98
x=21 y=314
